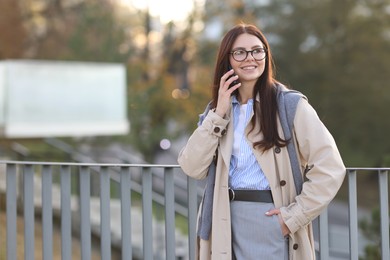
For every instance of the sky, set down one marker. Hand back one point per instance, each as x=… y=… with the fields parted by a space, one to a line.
x=167 y=10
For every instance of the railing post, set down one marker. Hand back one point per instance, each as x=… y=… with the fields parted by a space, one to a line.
x=11 y=211
x=28 y=211
x=85 y=207
x=66 y=214
x=353 y=223
x=105 y=220
x=147 y=220
x=384 y=211
x=47 y=213
x=324 y=235
x=192 y=213
x=169 y=189
x=148 y=198
x=125 y=213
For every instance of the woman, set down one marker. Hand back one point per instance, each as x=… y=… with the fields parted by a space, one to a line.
x=256 y=212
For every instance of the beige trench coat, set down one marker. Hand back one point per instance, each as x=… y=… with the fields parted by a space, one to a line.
x=316 y=147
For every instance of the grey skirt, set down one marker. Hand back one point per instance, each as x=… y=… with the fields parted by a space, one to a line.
x=255 y=235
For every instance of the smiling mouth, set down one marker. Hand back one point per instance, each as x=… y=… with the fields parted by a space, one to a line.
x=249 y=67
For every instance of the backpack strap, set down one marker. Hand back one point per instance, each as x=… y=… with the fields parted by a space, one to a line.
x=206 y=212
x=287 y=107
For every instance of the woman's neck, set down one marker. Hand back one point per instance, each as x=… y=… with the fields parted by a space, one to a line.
x=245 y=93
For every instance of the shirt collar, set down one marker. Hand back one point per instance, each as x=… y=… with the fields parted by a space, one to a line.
x=236 y=102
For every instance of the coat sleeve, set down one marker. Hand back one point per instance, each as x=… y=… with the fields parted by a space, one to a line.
x=196 y=156
x=318 y=149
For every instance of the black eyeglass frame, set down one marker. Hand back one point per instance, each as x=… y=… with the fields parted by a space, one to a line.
x=251 y=52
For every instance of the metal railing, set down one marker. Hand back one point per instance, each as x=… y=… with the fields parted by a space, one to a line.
x=23 y=186
x=383 y=181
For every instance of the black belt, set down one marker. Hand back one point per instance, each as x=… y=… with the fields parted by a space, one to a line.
x=251 y=195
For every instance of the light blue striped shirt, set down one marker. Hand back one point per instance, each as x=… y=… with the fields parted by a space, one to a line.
x=245 y=172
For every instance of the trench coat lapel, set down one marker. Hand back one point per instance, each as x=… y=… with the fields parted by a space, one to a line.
x=267 y=164
x=266 y=159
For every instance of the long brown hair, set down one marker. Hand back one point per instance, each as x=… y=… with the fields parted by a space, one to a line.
x=265 y=88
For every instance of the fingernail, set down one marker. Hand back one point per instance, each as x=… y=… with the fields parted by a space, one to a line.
x=267 y=213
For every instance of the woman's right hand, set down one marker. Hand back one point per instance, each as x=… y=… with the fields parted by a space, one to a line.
x=225 y=92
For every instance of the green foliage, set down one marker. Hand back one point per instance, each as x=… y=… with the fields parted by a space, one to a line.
x=337 y=52
x=386 y=160
x=86 y=30
x=372 y=230
x=154 y=114
x=149 y=115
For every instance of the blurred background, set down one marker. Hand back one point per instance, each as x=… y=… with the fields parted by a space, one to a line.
x=335 y=52
x=142 y=70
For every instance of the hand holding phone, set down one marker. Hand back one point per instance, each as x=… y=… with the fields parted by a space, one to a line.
x=227 y=86
x=235 y=82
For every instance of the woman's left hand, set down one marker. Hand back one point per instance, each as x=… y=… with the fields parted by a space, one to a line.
x=283 y=225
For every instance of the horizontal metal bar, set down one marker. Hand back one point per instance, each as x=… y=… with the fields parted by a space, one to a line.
x=367 y=169
x=146 y=165
x=91 y=164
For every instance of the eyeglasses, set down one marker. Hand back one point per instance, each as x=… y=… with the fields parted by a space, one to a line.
x=258 y=54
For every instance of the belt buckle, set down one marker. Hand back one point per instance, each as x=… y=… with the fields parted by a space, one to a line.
x=233 y=194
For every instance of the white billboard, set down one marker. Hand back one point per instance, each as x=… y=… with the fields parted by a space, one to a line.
x=56 y=98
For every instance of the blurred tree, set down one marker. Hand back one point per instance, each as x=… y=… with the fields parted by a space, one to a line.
x=88 y=31
x=372 y=231
x=97 y=34
x=337 y=53
x=13 y=35
x=162 y=105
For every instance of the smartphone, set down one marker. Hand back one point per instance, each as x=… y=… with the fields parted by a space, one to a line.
x=234 y=82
